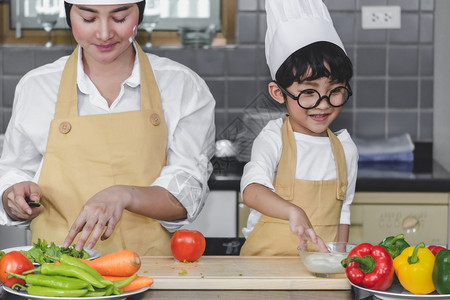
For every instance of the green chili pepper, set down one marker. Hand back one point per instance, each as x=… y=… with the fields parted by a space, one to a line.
x=123 y=282
x=73 y=261
x=58 y=282
x=95 y=294
x=116 y=291
x=50 y=292
x=67 y=270
x=441 y=272
x=107 y=290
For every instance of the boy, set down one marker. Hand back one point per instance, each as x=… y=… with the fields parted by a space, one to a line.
x=301 y=179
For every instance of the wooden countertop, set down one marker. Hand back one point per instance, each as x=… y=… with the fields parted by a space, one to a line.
x=236 y=273
x=234 y=277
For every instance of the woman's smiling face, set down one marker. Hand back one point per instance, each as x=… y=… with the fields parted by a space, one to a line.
x=103 y=31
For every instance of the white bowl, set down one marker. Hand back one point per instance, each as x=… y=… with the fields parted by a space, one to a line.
x=323 y=264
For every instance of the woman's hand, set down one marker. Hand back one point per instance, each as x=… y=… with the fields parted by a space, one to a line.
x=300 y=225
x=14 y=200
x=98 y=217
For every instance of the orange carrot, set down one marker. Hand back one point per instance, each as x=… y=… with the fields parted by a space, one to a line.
x=120 y=263
x=138 y=283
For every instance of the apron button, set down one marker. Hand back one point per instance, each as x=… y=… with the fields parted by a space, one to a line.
x=65 y=127
x=155 y=120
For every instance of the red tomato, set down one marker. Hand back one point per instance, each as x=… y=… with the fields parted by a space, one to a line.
x=15 y=262
x=187 y=245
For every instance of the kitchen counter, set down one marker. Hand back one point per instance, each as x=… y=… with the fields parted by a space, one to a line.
x=153 y=294
x=422 y=175
x=225 y=277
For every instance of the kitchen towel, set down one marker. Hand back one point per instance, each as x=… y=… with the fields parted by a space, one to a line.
x=397 y=148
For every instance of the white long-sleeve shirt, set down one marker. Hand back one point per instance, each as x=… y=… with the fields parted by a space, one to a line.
x=188 y=108
x=315 y=161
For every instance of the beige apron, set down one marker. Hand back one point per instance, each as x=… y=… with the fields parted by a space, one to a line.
x=321 y=201
x=86 y=154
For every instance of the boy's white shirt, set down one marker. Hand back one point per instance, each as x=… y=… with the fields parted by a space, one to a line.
x=315 y=161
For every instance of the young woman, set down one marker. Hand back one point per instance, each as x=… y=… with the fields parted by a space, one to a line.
x=114 y=143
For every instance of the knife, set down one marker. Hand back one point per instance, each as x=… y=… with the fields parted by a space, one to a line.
x=32 y=203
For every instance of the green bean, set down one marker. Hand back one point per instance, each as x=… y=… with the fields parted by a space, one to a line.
x=67 y=270
x=51 y=292
x=56 y=281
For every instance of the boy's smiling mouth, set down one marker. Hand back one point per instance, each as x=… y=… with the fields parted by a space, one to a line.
x=319 y=117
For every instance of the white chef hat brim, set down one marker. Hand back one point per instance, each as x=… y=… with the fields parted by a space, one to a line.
x=278 y=50
x=101 y=2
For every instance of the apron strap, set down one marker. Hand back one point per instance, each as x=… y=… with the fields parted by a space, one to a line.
x=341 y=166
x=67 y=94
x=149 y=90
x=284 y=184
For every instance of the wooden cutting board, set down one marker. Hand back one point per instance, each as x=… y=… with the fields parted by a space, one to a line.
x=236 y=273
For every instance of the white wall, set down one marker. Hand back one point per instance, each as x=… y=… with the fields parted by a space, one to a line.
x=441 y=118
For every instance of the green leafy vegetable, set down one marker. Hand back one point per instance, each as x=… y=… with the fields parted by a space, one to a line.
x=42 y=252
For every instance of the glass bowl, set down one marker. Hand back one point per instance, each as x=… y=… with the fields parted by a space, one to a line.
x=322 y=264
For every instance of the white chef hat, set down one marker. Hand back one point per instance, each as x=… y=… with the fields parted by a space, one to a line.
x=101 y=2
x=294 y=24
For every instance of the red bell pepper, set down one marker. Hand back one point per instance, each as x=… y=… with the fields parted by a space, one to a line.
x=370 y=267
x=435 y=249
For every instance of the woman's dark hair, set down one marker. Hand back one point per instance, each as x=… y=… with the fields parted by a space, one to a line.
x=68 y=6
x=309 y=63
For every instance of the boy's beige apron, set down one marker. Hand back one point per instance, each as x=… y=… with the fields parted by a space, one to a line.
x=321 y=201
x=86 y=154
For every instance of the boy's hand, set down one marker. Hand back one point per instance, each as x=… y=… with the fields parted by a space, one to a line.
x=302 y=228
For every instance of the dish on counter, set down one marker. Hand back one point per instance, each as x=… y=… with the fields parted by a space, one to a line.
x=24 y=294
x=324 y=264
x=396 y=291
x=92 y=252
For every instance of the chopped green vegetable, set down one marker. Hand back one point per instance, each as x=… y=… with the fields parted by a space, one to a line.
x=42 y=252
x=1 y=254
x=182 y=273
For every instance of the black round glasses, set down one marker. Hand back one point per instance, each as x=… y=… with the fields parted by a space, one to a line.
x=310 y=98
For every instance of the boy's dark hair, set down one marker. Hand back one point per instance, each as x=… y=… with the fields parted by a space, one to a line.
x=308 y=63
x=68 y=7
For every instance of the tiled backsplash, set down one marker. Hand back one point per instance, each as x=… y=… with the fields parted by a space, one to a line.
x=393 y=82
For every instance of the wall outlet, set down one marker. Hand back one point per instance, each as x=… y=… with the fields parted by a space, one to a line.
x=381 y=17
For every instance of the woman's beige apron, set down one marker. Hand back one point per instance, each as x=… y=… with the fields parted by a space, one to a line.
x=321 y=201
x=86 y=154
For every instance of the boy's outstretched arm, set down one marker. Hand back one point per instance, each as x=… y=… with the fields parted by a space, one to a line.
x=267 y=202
x=343 y=232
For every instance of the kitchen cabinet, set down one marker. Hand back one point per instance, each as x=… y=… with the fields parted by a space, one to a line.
x=219 y=215
x=421 y=217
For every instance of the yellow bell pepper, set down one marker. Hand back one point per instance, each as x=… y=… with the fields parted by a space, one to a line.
x=414 y=269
